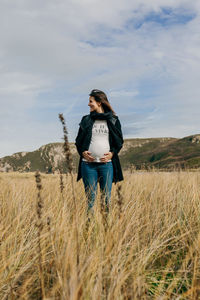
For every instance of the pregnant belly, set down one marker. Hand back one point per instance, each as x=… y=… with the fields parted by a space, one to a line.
x=99 y=150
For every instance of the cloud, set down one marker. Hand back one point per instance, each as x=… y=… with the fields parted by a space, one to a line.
x=144 y=55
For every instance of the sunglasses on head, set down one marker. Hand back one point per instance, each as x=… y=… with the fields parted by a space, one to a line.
x=96 y=91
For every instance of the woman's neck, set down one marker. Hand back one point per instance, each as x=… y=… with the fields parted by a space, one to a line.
x=100 y=110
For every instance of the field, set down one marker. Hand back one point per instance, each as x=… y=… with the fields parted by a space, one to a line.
x=147 y=247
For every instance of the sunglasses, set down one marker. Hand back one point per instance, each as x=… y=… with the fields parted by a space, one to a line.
x=96 y=91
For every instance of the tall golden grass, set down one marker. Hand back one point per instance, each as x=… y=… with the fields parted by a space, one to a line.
x=148 y=248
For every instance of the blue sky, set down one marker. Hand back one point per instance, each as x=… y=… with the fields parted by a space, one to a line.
x=144 y=54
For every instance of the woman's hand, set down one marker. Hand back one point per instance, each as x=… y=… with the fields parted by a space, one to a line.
x=87 y=156
x=107 y=157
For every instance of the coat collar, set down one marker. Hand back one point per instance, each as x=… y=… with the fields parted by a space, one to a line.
x=87 y=121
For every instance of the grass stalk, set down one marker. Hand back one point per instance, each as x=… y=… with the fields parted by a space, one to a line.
x=69 y=161
x=39 y=226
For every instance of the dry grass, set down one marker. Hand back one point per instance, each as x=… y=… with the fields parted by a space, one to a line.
x=148 y=248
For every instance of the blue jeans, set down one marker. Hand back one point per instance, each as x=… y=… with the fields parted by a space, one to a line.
x=92 y=173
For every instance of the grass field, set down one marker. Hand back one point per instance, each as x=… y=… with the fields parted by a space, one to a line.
x=148 y=247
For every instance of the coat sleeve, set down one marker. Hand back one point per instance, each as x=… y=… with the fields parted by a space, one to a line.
x=118 y=138
x=79 y=139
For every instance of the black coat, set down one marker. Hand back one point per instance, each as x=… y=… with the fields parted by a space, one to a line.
x=115 y=139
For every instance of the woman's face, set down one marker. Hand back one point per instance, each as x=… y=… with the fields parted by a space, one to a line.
x=94 y=105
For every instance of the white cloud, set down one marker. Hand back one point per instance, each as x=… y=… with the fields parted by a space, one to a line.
x=150 y=72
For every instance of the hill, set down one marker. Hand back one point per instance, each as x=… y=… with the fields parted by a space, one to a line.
x=167 y=153
x=164 y=153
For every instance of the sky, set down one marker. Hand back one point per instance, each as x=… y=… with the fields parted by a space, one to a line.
x=145 y=55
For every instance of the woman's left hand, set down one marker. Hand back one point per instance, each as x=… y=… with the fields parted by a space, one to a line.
x=107 y=157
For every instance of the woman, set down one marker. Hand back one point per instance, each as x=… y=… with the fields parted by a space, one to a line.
x=98 y=142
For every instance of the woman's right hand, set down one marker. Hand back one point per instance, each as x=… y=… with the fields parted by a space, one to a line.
x=87 y=156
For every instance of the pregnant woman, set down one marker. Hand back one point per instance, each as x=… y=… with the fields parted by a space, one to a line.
x=98 y=143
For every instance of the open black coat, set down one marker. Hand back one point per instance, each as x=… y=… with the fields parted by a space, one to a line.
x=115 y=139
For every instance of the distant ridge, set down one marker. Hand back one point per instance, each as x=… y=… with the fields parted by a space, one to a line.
x=161 y=153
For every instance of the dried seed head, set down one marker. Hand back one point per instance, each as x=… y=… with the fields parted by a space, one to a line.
x=38 y=180
x=119 y=199
x=61 y=182
x=39 y=199
x=66 y=146
x=48 y=221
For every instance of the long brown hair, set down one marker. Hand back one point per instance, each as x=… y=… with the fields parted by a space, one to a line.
x=101 y=97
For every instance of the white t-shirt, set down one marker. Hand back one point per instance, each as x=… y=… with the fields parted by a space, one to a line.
x=99 y=144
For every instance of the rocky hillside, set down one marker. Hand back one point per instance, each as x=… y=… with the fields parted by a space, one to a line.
x=165 y=153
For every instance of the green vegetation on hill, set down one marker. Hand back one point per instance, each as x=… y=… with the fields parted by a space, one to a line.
x=164 y=153
x=167 y=154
